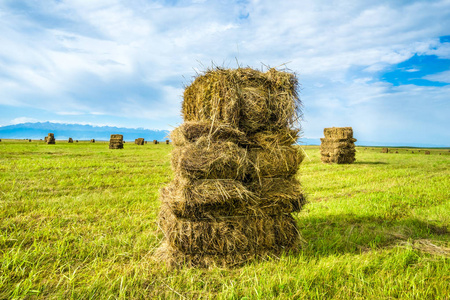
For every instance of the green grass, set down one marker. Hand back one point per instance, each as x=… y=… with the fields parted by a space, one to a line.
x=78 y=221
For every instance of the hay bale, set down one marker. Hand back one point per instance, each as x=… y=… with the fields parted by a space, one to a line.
x=214 y=198
x=396 y=152
x=116 y=141
x=385 y=150
x=243 y=98
x=155 y=142
x=167 y=142
x=50 y=139
x=70 y=140
x=228 y=234
x=145 y=142
x=139 y=141
x=427 y=152
x=76 y=141
x=338 y=145
x=92 y=141
x=0 y=140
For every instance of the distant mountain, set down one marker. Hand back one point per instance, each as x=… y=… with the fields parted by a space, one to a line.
x=77 y=132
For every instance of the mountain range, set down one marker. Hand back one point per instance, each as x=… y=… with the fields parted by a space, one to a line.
x=77 y=132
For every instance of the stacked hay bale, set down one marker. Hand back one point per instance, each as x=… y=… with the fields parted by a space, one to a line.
x=139 y=141
x=338 y=145
x=235 y=164
x=50 y=139
x=116 y=141
x=70 y=140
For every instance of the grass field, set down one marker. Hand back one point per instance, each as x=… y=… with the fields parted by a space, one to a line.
x=78 y=221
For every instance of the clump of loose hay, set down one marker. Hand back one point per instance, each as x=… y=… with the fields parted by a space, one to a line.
x=50 y=139
x=385 y=150
x=116 y=141
x=338 y=146
x=70 y=140
x=243 y=98
x=139 y=141
x=235 y=167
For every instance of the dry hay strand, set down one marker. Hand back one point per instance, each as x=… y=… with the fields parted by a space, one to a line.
x=228 y=234
x=338 y=132
x=243 y=98
x=213 y=198
x=176 y=259
x=70 y=140
x=281 y=161
x=221 y=160
x=385 y=150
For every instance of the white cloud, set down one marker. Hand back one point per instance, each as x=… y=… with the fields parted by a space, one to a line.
x=440 y=77
x=23 y=120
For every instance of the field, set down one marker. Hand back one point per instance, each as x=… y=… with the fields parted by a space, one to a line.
x=78 y=221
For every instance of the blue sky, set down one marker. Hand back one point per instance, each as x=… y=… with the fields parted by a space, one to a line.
x=382 y=67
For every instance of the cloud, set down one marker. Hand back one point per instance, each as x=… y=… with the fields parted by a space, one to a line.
x=23 y=120
x=131 y=59
x=440 y=77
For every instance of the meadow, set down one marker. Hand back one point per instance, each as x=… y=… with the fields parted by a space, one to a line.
x=78 y=221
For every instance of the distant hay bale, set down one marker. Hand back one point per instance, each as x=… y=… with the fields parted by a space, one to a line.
x=50 y=139
x=145 y=142
x=338 y=145
x=92 y=141
x=116 y=141
x=396 y=151
x=70 y=140
x=243 y=98
x=427 y=152
x=155 y=142
x=29 y=140
x=139 y=141
x=0 y=140
x=167 y=142
x=412 y=152
x=76 y=141
x=385 y=150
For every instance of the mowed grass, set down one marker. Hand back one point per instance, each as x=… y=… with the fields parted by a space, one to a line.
x=78 y=221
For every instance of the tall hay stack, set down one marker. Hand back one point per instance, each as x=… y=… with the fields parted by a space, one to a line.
x=235 y=166
x=50 y=139
x=338 y=145
x=139 y=141
x=116 y=141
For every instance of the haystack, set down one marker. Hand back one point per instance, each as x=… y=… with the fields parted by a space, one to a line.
x=92 y=141
x=70 y=140
x=139 y=141
x=235 y=170
x=338 y=145
x=50 y=139
x=116 y=141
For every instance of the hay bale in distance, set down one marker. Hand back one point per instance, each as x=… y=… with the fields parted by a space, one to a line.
x=167 y=142
x=116 y=141
x=50 y=139
x=92 y=141
x=427 y=152
x=139 y=141
x=76 y=141
x=155 y=142
x=385 y=150
x=338 y=145
x=70 y=140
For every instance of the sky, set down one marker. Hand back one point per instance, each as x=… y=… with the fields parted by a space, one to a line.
x=382 y=67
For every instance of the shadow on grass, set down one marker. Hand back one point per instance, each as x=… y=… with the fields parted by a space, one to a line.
x=370 y=163
x=341 y=234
